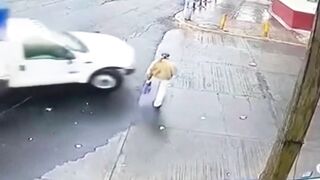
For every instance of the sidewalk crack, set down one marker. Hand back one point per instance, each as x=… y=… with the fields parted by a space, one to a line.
x=264 y=87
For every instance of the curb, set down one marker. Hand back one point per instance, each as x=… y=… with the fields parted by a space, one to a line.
x=217 y=31
x=123 y=140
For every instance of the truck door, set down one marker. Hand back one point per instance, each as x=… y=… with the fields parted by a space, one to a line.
x=44 y=63
x=5 y=47
x=10 y=54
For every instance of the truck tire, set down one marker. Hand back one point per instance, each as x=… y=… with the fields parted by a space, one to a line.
x=106 y=80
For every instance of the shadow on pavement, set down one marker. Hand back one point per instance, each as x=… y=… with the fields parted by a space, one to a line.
x=57 y=93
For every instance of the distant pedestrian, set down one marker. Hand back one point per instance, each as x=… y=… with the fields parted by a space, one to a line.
x=203 y=4
x=189 y=7
x=162 y=71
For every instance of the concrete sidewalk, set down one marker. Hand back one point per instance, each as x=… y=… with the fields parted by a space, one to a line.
x=221 y=114
x=244 y=18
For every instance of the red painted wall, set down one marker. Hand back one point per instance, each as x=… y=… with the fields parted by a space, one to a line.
x=294 y=19
x=283 y=11
x=303 y=21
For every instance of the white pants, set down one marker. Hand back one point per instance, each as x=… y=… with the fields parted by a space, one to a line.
x=163 y=85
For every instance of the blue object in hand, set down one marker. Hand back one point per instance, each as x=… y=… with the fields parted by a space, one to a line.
x=146 y=88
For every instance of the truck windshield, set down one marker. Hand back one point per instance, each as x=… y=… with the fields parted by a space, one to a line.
x=69 y=41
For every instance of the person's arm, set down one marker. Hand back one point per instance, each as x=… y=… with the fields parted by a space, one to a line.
x=150 y=67
x=151 y=70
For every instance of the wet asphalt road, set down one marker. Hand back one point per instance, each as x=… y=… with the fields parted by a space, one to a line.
x=44 y=127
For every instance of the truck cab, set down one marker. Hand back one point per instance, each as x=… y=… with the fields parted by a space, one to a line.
x=33 y=55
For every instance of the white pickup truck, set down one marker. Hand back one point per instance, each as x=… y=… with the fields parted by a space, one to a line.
x=32 y=55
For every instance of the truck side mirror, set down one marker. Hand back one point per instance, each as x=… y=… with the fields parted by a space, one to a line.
x=70 y=55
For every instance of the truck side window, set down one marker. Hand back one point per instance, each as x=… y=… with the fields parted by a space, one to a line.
x=38 y=48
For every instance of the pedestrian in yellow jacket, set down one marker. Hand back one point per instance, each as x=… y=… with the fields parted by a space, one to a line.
x=161 y=70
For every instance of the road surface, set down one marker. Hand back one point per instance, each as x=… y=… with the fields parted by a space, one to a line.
x=44 y=127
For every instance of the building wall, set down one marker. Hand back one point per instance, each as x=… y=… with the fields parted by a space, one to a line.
x=293 y=19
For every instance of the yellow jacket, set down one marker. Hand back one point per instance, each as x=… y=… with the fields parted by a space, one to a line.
x=162 y=69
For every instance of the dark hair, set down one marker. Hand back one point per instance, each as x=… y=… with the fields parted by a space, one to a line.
x=165 y=55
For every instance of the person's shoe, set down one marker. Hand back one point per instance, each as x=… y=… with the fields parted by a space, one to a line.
x=158 y=106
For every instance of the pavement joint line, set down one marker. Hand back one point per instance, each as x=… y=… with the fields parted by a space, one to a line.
x=223 y=111
x=119 y=155
x=197 y=27
x=222 y=135
x=279 y=73
x=260 y=96
x=15 y=106
x=248 y=67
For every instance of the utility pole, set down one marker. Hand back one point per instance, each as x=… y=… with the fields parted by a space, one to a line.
x=303 y=104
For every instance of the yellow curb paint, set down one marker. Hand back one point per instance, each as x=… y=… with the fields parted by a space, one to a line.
x=239 y=35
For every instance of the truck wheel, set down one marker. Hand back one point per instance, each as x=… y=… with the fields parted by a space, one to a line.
x=106 y=80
